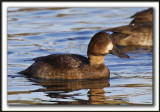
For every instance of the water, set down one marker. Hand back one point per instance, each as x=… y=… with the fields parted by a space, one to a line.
x=34 y=32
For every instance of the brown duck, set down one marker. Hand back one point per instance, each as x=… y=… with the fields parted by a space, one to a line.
x=137 y=33
x=73 y=66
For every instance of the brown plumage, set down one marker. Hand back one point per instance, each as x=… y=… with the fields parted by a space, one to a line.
x=137 y=33
x=73 y=66
x=143 y=16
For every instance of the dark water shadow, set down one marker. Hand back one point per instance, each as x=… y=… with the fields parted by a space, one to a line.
x=59 y=90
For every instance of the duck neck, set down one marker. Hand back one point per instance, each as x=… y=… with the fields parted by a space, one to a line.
x=96 y=59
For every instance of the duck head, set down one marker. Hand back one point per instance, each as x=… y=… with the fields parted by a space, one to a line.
x=102 y=44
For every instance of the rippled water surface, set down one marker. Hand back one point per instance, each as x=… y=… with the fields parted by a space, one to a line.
x=34 y=32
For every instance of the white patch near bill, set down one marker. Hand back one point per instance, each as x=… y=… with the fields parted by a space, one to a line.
x=110 y=46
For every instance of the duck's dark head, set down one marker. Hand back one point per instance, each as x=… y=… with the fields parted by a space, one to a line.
x=144 y=16
x=102 y=44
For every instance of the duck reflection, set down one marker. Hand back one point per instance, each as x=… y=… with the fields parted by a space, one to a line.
x=67 y=91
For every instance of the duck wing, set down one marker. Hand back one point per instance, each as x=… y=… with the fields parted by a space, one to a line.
x=63 y=60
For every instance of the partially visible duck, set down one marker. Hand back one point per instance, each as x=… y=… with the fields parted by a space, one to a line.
x=137 y=33
x=144 y=16
x=73 y=66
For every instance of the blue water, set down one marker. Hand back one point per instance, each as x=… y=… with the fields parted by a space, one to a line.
x=34 y=32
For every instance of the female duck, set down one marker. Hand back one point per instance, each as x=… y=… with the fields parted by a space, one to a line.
x=137 y=33
x=144 y=16
x=73 y=66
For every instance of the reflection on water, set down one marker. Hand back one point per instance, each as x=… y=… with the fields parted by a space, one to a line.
x=58 y=91
x=68 y=92
x=34 y=32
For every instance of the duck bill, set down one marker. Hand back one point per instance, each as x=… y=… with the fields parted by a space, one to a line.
x=118 y=53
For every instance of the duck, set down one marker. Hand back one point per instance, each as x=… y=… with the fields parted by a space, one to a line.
x=137 y=33
x=143 y=16
x=75 y=66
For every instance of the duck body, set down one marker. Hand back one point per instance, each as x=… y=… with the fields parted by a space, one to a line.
x=73 y=66
x=66 y=66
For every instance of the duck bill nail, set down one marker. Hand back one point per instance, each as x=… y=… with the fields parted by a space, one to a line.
x=118 y=53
